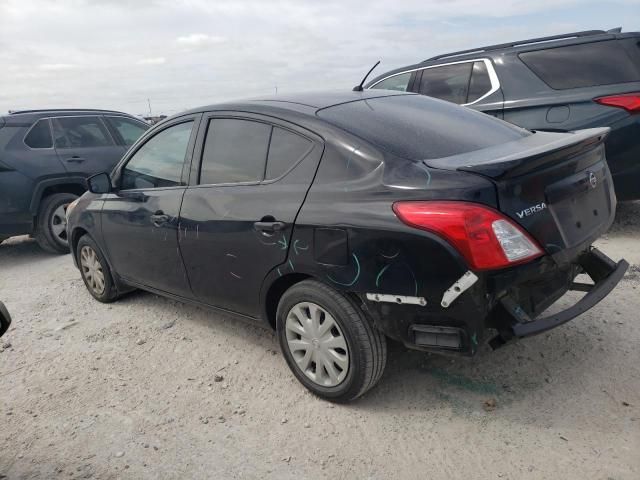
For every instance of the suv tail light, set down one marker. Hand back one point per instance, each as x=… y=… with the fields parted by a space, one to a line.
x=629 y=101
x=483 y=236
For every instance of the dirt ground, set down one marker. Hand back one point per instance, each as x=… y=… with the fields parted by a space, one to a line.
x=151 y=388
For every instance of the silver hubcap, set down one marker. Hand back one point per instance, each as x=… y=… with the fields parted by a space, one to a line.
x=58 y=223
x=92 y=270
x=317 y=344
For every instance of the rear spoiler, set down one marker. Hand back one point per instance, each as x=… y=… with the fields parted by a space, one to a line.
x=515 y=158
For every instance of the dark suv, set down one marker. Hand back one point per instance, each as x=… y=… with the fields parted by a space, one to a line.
x=560 y=83
x=45 y=158
x=343 y=218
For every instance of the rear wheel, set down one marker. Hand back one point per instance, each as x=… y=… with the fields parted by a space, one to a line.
x=95 y=271
x=51 y=228
x=330 y=345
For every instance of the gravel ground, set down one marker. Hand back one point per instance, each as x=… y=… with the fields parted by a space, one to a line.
x=151 y=388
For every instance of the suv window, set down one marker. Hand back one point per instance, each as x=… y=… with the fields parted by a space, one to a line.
x=398 y=82
x=158 y=162
x=584 y=65
x=234 y=151
x=80 y=132
x=40 y=135
x=449 y=82
x=480 y=83
x=129 y=130
x=285 y=149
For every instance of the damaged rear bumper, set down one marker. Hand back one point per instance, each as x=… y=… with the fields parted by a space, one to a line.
x=605 y=274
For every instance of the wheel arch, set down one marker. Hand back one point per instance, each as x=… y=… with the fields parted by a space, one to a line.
x=275 y=292
x=74 y=185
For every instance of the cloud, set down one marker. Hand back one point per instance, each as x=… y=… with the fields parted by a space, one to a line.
x=152 y=61
x=213 y=51
x=198 y=40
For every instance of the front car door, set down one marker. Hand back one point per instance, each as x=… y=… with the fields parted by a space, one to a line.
x=238 y=215
x=140 y=220
x=85 y=145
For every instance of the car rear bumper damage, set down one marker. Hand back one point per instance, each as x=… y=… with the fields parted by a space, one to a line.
x=605 y=274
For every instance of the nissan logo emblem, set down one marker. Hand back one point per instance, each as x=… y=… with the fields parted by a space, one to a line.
x=593 y=180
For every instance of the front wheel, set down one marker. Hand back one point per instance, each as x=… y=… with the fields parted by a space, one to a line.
x=95 y=271
x=330 y=345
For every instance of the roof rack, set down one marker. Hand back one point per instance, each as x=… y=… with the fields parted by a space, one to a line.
x=585 y=33
x=39 y=110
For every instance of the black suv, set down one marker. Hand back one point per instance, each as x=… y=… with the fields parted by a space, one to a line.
x=559 y=83
x=342 y=218
x=45 y=158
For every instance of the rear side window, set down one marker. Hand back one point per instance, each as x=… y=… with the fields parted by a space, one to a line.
x=234 y=151
x=419 y=128
x=480 y=83
x=80 y=132
x=449 y=82
x=285 y=150
x=399 y=82
x=129 y=130
x=158 y=163
x=585 y=65
x=40 y=135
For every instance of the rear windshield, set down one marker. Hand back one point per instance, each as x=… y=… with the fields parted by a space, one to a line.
x=420 y=128
x=585 y=65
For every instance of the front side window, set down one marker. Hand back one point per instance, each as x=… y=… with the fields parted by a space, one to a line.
x=158 y=163
x=584 y=65
x=40 y=135
x=80 y=132
x=129 y=130
x=234 y=151
x=449 y=82
x=399 y=82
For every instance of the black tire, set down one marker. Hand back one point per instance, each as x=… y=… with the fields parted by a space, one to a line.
x=366 y=345
x=48 y=219
x=109 y=293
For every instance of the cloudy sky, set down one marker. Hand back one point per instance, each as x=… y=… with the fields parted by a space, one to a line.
x=185 y=53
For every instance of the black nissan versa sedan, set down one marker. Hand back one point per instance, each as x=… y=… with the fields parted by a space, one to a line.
x=340 y=219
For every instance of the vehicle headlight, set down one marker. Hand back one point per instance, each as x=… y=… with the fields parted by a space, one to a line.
x=71 y=206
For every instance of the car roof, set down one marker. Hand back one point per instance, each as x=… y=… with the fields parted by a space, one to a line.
x=31 y=115
x=300 y=103
x=530 y=44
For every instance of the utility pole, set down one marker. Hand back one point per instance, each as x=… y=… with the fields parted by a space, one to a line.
x=149 y=103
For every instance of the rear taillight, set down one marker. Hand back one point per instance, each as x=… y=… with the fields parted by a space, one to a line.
x=484 y=237
x=629 y=101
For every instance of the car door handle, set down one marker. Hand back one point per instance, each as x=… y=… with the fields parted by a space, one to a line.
x=269 y=227
x=75 y=159
x=158 y=219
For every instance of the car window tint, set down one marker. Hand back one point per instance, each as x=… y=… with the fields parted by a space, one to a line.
x=450 y=82
x=129 y=130
x=40 y=135
x=80 y=132
x=585 y=65
x=158 y=163
x=420 y=128
x=234 y=151
x=480 y=82
x=399 y=82
x=285 y=150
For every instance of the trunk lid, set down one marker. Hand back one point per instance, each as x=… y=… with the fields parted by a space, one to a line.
x=557 y=186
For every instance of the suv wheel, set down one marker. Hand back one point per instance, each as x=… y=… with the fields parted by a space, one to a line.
x=51 y=228
x=330 y=345
x=95 y=271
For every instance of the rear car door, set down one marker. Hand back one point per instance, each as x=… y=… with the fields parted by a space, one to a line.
x=238 y=215
x=140 y=219
x=471 y=83
x=85 y=145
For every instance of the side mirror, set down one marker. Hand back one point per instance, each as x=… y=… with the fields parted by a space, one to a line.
x=5 y=319
x=100 y=183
